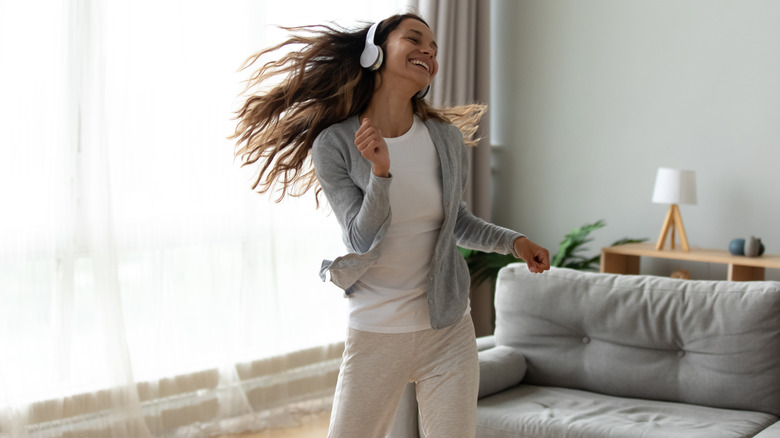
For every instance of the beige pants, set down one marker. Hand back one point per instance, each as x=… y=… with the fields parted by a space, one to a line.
x=376 y=368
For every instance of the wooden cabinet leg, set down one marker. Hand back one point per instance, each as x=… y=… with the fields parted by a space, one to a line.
x=745 y=273
x=619 y=263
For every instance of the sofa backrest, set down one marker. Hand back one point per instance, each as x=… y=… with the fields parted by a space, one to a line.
x=712 y=343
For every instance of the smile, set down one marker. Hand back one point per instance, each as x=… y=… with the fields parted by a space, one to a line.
x=421 y=63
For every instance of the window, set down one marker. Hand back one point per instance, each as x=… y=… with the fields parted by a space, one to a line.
x=132 y=245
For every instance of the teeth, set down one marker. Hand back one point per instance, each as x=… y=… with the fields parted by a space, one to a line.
x=418 y=62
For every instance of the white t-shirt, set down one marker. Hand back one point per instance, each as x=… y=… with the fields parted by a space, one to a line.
x=391 y=296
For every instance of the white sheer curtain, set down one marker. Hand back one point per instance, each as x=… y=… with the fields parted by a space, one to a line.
x=144 y=289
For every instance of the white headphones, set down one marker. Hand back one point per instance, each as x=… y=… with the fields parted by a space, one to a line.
x=372 y=55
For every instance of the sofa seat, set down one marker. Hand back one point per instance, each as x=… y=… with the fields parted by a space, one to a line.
x=546 y=411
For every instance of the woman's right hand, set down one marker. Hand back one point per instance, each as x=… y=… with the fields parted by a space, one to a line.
x=373 y=147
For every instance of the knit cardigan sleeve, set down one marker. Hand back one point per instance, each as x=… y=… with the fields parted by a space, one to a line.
x=359 y=199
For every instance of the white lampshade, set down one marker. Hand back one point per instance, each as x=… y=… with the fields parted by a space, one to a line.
x=674 y=186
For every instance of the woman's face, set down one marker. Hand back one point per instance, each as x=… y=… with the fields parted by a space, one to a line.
x=410 y=54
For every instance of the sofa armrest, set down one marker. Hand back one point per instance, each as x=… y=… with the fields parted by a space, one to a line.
x=485 y=342
x=772 y=431
x=500 y=368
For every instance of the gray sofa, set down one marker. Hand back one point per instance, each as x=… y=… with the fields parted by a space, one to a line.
x=583 y=355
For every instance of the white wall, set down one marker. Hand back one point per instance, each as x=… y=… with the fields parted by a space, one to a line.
x=591 y=97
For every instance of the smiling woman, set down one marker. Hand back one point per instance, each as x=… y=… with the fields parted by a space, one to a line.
x=394 y=170
x=146 y=291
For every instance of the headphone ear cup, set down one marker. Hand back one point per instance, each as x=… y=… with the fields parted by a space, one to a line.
x=379 y=59
x=372 y=57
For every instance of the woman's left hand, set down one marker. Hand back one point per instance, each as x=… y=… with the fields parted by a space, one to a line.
x=536 y=257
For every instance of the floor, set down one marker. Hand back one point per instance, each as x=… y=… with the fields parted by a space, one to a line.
x=316 y=427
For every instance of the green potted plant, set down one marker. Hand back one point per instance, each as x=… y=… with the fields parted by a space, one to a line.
x=485 y=266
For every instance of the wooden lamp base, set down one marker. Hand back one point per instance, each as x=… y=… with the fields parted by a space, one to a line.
x=673 y=220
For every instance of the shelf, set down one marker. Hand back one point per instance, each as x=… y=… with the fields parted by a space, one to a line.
x=624 y=259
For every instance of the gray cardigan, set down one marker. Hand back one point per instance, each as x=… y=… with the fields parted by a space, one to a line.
x=361 y=203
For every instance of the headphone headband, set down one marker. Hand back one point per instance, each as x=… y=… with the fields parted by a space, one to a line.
x=371 y=33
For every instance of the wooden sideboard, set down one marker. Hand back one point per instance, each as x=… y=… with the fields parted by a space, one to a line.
x=624 y=259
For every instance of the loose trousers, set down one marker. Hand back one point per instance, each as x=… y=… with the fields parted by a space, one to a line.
x=376 y=368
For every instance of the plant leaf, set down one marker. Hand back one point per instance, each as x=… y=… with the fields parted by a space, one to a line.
x=574 y=242
x=626 y=241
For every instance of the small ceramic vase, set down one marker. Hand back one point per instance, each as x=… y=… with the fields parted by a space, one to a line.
x=737 y=247
x=752 y=246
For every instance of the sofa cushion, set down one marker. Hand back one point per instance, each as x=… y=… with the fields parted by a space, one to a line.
x=537 y=411
x=772 y=431
x=499 y=368
x=713 y=343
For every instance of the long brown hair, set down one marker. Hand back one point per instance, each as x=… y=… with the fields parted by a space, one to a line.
x=311 y=89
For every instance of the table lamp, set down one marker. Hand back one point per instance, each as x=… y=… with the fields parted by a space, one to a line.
x=673 y=186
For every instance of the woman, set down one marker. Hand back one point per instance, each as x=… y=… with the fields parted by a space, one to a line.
x=394 y=170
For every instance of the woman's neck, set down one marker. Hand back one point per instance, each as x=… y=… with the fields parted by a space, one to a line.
x=390 y=112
